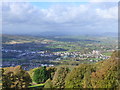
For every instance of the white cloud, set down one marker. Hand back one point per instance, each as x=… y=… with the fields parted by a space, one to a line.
x=25 y=16
x=59 y=14
x=110 y=13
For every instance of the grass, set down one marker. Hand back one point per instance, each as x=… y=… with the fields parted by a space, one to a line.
x=37 y=85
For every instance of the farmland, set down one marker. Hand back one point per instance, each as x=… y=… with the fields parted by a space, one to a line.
x=35 y=51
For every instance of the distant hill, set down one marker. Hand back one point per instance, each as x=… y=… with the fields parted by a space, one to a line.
x=11 y=39
x=67 y=33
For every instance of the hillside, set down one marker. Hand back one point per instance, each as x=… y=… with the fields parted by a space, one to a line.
x=103 y=74
x=100 y=75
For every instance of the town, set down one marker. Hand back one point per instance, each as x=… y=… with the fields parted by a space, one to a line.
x=52 y=52
x=33 y=57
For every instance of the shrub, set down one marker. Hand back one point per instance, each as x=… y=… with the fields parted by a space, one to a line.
x=40 y=75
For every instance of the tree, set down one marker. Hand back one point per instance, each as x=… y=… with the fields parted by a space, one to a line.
x=51 y=72
x=15 y=77
x=108 y=75
x=104 y=74
x=59 y=77
x=6 y=81
x=40 y=75
x=79 y=77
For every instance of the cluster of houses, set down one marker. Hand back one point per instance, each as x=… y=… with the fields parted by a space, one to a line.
x=25 y=65
x=57 y=56
x=31 y=66
x=27 y=54
x=94 y=54
x=9 y=50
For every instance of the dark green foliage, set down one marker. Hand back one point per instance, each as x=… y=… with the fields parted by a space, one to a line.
x=51 y=72
x=40 y=75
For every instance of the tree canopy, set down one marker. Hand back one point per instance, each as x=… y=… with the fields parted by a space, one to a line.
x=15 y=77
x=40 y=75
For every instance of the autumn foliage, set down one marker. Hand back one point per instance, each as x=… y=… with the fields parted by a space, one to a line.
x=15 y=77
x=100 y=75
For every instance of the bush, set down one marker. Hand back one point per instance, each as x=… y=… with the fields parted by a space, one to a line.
x=40 y=75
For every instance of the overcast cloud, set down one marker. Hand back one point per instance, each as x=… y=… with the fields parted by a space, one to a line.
x=90 y=17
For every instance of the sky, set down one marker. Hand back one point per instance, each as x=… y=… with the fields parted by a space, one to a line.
x=68 y=17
